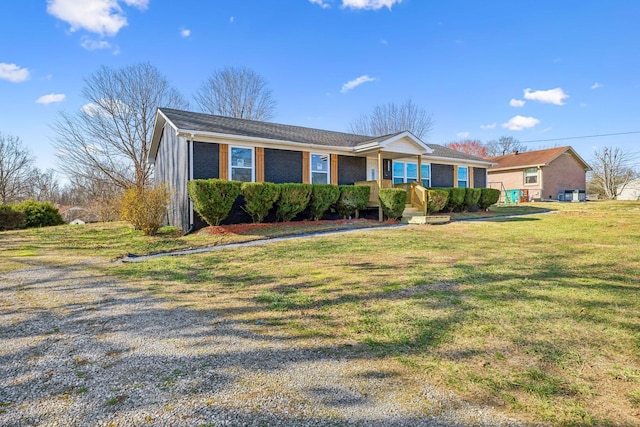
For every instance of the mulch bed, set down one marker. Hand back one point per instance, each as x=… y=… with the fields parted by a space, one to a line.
x=293 y=226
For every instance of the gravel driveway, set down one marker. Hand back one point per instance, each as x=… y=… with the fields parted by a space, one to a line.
x=78 y=348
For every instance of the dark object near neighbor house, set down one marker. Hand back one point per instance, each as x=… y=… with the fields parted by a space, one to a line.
x=187 y=146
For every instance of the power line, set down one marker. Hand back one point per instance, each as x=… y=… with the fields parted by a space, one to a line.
x=582 y=137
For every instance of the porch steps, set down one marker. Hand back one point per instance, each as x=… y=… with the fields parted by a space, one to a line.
x=412 y=215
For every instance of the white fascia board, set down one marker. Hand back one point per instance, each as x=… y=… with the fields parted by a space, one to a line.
x=514 y=168
x=160 y=121
x=411 y=137
x=454 y=161
x=262 y=142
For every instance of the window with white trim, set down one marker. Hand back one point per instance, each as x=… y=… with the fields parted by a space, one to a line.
x=320 y=169
x=241 y=166
x=531 y=176
x=463 y=177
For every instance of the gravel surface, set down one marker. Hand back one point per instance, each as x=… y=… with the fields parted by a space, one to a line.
x=81 y=349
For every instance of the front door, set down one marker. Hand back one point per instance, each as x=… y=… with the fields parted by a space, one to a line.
x=386 y=169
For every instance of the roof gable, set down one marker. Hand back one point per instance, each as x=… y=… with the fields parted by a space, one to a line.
x=536 y=158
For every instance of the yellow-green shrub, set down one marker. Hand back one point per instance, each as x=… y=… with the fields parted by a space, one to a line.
x=145 y=208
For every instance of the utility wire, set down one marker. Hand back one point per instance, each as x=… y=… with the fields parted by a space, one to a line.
x=582 y=137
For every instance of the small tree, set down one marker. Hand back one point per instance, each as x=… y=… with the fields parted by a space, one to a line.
x=145 y=208
x=236 y=92
x=213 y=198
x=15 y=168
x=611 y=171
x=504 y=145
x=392 y=118
x=323 y=196
x=472 y=147
x=259 y=198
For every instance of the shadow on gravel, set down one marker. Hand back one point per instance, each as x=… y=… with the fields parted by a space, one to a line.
x=81 y=348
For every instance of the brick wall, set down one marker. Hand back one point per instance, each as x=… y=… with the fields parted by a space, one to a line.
x=564 y=173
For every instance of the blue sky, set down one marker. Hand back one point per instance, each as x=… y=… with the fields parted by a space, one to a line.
x=533 y=69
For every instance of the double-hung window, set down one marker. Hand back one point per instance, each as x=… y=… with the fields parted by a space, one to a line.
x=463 y=177
x=320 y=169
x=531 y=176
x=241 y=164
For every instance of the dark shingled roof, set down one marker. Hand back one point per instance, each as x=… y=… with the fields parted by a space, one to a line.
x=441 y=151
x=201 y=122
x=231 y=126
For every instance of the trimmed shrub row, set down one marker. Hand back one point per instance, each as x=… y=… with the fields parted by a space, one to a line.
x=29 y=214
x=213 y=199
x=463 y=199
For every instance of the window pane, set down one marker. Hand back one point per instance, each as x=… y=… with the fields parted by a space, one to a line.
x=462 y=173
x=319 y=177
x=241 y=174
x=412 y=171
x=531 y=176
x=426 y=171
x=241 y=157
x=426 y=183
x=320 y=162
x=462 y=184
x=398 y=169
x=398 y=180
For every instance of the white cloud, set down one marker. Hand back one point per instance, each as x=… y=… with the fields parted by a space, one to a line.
x=596 y=85
x=232 y=19
x=320 y=3
x=51 y=98
x=384 y=42
x=463 y=134
x=517 y=102
x=356 y=82
x=552 y=96
x=91 y=109
x=520 y=123
x=489 y=126
x=13 y=73
x=185 y=32
x=104 y=17
x=90 y=44
x=369 y=4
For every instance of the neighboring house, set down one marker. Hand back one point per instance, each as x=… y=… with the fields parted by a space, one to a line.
x=540 y=175
x=187 y=146
x=631 y=191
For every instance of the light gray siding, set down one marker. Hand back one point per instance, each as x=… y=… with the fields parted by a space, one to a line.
x=172 y=169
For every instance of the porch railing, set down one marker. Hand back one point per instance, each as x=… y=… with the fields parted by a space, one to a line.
x=417 y=195
x=373 y=194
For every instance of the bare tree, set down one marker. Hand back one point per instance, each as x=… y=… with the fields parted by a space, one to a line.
x=393 y=118
x=111 y=135
x=504 y=145
x=236 y=92
x=43 y=186
x=15 y=168
x=611 y=171
x=473 y=147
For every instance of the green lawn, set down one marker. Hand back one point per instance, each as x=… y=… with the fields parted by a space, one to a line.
x=536 y=316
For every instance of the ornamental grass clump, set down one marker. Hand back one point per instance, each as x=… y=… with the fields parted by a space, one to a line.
x=294 y=198
x=213 y=198
x=323 y=196
x=393 y=201
x=259 y=198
